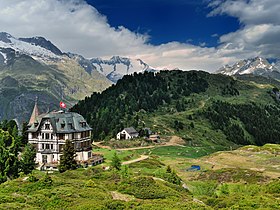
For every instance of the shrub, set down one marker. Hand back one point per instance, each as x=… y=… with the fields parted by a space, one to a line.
x=273 y=187
x=32 y=178
x=146 y=188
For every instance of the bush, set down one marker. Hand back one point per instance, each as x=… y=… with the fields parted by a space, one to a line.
x=46 y=181
x=273 y=187
x=115 y=205
x=32 y=178
x=146 y=188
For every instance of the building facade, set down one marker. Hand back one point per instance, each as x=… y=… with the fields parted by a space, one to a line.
x=48 y=133
x=128 y=133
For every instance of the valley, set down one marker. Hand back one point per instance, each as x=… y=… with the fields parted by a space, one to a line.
x=240 y=178
x=196 y=140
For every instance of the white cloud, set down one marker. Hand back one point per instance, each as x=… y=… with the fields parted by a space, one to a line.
x=260 y=20
x=72 y=25
x=75 y=26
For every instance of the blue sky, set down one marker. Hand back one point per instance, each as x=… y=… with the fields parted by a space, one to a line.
x=166 y=34
x=168 y=20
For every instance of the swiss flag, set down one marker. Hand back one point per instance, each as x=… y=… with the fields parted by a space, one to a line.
x=62 y=105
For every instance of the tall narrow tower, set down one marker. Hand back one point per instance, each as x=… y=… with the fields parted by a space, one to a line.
x=35 y=113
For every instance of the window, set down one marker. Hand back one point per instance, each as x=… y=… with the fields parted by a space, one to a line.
x=89 y=154
x=47 y=146
x=62 y=125
x=45 y=158
x=47 y=136
x=51 y=146
x=47 y=126
x=83 y=124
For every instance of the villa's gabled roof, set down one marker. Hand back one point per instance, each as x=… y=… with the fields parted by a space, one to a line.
x=62 y=122
x=131 y=131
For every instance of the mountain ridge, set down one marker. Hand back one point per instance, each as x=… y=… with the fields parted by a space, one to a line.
x=39 y=68
x=256 y=66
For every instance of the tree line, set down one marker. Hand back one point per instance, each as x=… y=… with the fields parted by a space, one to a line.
x=16 y=155
x=118 y=106
x=262 y=122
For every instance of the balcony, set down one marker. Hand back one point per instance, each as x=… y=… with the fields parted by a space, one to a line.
x=48 y=151
x=88 y=148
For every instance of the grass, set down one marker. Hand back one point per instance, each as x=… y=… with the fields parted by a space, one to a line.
x=123 y=155
x=82 y=189
x=180 y=151
x=144 y=185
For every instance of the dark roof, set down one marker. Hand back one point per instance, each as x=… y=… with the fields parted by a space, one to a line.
x=62 y=122
x=131 y=130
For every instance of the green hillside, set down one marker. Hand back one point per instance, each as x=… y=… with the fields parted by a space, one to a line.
x=204 y=109
x=242 y=179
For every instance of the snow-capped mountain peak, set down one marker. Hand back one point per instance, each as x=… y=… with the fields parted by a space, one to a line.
x=36 y=47
x=257 y=66
x=46 y=52
x=116 y=67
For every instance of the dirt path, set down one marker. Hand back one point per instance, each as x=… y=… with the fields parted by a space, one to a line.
x=135 y=148
x=142 y=157
x=119 y=196
x=99 y=144
x=174 y=141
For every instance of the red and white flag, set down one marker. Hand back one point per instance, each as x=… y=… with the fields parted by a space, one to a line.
x=62 y=105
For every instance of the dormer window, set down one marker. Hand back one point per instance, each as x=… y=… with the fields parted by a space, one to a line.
x=36 y=124
x=47 y=126
x=62 y=125
x=83 y=124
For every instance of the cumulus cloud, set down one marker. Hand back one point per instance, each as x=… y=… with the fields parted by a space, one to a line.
x=77 y=27
x=260 y=21
x=71 y=24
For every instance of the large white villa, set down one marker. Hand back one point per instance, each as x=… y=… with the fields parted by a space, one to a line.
x=48 y=133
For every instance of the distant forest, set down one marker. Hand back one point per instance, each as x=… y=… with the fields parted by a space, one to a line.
x=118 y=106
x=110 y=111
x=261 y=122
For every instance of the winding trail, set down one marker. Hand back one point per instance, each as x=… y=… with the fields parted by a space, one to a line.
x=174 y=141
x=142 y=157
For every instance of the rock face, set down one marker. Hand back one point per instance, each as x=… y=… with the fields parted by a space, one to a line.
x=256 y=66
x=31 y=67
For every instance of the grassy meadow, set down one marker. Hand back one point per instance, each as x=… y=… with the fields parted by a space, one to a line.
x=238 y=179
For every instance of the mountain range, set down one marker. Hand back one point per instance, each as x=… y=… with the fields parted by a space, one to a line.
x=256 y=66
x=31 y=67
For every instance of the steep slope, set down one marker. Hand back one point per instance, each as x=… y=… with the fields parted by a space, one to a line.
x=31 y=67
x=256 y=66
x=187 y=104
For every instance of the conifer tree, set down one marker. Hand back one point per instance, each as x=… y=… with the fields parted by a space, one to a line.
x=67 y=159
x=28 y=159
x=116 y=162
x=24 y=137
x=8 y=157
